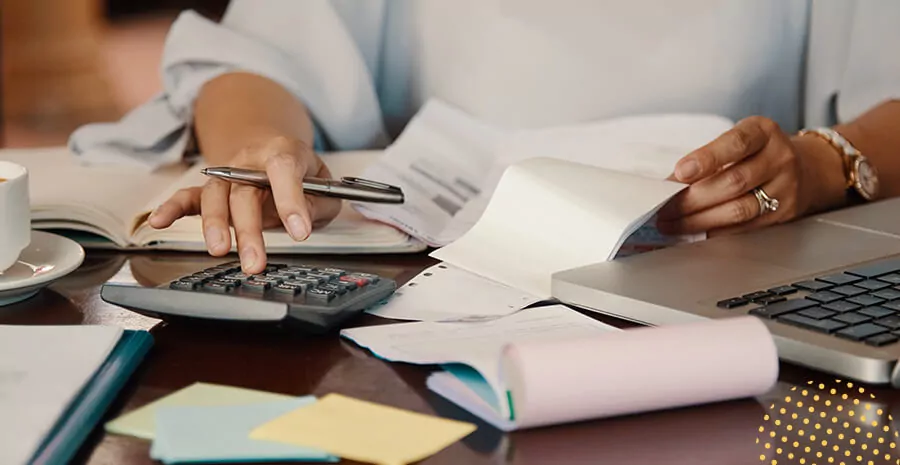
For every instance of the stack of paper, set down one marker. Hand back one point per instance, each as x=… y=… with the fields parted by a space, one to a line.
x=514 y=207
x=551 y=365
x=213 y=423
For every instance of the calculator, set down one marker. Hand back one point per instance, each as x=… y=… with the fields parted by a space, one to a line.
x=313 y=298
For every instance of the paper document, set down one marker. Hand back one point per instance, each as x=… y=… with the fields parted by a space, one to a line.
x=141 y=422
x=477 y=345
x=449 y=163
x=364 y=431
x=441 y=163
x=42 y=370
x=548 y=215
x=446 y=293
x=222 y=434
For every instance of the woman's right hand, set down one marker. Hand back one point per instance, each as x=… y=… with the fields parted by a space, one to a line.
x=250 y=209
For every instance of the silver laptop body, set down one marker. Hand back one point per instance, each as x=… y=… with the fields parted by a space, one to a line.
x=686 y=283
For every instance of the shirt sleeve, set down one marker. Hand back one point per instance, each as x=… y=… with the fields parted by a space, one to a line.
x=852 y=64
x=872 y=72
x=312 y=48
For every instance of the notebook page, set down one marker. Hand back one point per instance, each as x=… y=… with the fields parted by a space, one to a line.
x=549 y=215
x=42 y=369
x=98 y=199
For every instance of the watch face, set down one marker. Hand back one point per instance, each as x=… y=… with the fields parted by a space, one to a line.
x=866 y=179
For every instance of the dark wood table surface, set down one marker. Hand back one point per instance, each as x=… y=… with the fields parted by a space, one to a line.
x=809 y=417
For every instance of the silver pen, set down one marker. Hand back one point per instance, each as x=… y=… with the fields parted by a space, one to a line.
x=350 y=188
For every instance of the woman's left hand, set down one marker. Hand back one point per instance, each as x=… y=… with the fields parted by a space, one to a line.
x=804 y=174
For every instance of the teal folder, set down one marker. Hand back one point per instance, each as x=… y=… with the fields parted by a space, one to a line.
x=91 y=404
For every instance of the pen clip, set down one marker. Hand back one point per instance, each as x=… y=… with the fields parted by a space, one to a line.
x=375 y=185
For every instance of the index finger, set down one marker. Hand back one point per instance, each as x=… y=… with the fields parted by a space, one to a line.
x=747 y=137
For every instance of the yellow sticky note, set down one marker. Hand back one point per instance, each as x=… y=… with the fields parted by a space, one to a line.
x=141 y=422
x=364 y=431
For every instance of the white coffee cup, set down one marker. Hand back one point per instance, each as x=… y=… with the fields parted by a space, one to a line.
x=15 y=213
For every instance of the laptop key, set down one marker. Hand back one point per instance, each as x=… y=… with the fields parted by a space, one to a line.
x=781 y=308
x=877 y=269
x=865 y=300
x=824 y=296
x=822 y=326
x=816 y=313
x=783 y=290
x=770 y=299
x=840 y=279
x=872 y=284
x=812 y=286
x=848 y=290
x=841 y=306
x=887 y=294
x=882 y=340
x=732 y=303
x=877 y=312
x=756 y=295
x=895 y=305
x=891 y=278
x=890 y=322
x=853 y=318
x=861 y=331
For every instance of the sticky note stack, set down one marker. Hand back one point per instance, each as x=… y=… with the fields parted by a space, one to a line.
x=206 y=423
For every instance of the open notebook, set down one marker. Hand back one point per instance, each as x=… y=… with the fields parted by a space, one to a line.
x=111 y=204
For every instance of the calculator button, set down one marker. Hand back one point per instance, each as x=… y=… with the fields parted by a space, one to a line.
x=280 y=275
x=229 y=281
x=256 y=285
x=308 y=280
x=206 y=275
x=184 y=285
x=361 y=282
x=217 y=287
x=269 y=279
x=333 y=287
x=302 y=269
x=286 y=288
x=303 y=285
x=318 y=293
x=347 y=287
x=373 y=278
x=333 y=271
x=238 y=276
x=323 y=278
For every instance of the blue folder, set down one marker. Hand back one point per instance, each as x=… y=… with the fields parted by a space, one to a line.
x=89 y=407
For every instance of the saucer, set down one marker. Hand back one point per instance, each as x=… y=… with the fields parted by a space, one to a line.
x=48 y=258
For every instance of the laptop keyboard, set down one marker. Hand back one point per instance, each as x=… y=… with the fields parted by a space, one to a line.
x=860 y=304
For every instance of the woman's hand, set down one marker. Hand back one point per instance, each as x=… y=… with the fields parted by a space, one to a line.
x=250 y=209
x=804 y=174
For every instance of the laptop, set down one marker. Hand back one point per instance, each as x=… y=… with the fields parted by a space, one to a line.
x=827 y=286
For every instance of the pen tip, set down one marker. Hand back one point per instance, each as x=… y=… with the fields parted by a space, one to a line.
x=204 y=171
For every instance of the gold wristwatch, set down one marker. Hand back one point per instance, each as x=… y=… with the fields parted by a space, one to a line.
x=861 y=176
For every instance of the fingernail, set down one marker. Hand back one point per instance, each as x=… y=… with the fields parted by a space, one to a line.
x=297 y=227
x=686 y=170
x=214 y=238
x=248 y=258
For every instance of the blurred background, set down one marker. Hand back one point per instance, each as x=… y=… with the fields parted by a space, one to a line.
x=69 y=62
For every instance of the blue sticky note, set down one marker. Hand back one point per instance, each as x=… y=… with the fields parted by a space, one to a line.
x=191 y=434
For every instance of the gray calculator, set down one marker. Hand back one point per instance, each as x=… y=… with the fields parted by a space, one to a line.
x=316 y=299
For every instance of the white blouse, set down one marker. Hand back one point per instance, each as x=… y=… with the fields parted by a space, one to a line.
x=364 y=67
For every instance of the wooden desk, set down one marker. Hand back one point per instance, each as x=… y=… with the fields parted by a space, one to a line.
x=718 y=434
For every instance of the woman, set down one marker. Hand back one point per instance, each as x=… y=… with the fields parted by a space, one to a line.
x=279 y=77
